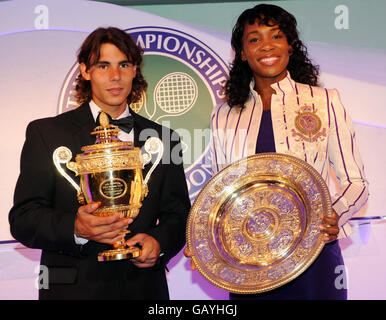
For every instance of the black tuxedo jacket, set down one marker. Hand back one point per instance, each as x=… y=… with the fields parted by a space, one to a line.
x=45 y=208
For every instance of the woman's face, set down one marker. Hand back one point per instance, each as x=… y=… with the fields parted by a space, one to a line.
x=266 y=50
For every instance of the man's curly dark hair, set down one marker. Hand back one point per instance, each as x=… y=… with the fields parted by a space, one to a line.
x=300 y=66
x=89 y=54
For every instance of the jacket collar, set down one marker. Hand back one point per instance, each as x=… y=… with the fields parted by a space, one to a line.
x=286 y=85
x=139 y=125
x=82 y=116
x=83 y=120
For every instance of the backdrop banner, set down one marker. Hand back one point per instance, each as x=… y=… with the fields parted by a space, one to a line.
x=186 y=64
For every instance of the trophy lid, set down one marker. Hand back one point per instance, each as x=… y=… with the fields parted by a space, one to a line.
x=106 y=137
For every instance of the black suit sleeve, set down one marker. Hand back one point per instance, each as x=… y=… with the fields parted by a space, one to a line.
x=34 y=220
x=174 y=204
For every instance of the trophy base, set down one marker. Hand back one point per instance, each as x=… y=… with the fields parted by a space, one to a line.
x=119 y=254
x=128 y=211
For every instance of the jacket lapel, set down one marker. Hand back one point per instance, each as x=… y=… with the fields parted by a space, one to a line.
x=84 y=124
x=139 y=126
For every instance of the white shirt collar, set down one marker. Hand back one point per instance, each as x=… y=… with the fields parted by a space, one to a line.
x=95 y=110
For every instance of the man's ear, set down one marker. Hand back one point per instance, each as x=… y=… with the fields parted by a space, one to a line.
x=84 y=72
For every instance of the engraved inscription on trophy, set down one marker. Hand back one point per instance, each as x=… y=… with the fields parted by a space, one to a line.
x=113 y=188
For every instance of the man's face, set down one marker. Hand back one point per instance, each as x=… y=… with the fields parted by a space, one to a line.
x=111 y=79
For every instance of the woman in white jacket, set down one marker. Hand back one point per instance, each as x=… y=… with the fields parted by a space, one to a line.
x=274 y=104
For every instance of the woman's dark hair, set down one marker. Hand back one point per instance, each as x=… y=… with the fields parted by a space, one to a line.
x=300 y=66
x=89 y=54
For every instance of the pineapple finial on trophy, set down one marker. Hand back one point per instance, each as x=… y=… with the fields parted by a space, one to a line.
x=105 y=132
x=104 y=120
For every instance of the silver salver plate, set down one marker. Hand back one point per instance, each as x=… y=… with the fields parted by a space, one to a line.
x=254 y=226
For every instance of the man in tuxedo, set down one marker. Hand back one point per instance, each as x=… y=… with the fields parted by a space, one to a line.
x=46 y=214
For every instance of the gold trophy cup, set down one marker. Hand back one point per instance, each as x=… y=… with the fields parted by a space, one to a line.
x=111 y=173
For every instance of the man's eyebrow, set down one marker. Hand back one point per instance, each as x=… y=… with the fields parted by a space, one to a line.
x=102 y=62
x=107 y=62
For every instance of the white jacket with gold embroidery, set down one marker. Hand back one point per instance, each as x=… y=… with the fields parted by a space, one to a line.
x=309 y=123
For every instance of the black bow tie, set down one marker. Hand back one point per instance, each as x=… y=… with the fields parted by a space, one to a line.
x=125 y=124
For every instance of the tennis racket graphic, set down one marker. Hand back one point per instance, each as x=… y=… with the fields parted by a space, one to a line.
x=174 y=95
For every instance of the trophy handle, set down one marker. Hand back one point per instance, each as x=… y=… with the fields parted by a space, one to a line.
x=64 y=155
x=152 y=146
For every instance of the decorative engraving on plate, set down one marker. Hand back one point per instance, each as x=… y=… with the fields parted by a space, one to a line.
x=204 y=251
x=281 y=242
x=242 y=208
x=253 y=227
x=231 y=276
